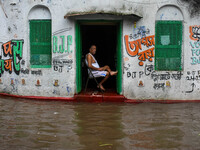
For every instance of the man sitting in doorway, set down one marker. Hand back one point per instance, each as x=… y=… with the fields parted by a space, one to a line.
x=98 y=71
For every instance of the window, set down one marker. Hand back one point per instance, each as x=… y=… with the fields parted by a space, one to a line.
x=40 y=43
x=168 y=42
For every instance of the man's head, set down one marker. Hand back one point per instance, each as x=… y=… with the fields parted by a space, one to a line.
x=93 y=49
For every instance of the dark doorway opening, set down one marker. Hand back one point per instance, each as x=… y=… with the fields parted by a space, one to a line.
x=105 y=39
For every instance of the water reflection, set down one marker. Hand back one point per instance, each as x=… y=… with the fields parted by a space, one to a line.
x=158 y=126
x=99 y=126
x=28 y=124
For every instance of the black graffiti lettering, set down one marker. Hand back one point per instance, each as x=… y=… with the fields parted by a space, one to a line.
x=193 y=85
x=193 y=75
x=24 y=71
x=23 y=62
x=38 y=72
x=133 y=74
x=58 y=64
x=154 y=76
x=166 y=76
x=55 y=68
x=159 y=86
x=60 y=69
x=128 y=74
x=140 y=74
x=148 y=69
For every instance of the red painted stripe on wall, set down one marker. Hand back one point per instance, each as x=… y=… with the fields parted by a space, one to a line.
x=86 y=98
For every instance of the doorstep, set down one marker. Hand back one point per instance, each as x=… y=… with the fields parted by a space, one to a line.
x=98 y=96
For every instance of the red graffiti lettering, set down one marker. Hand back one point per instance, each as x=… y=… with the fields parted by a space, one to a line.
x=133 y=47
x=8 y=65
x=12 y=48
x=148 y=41
x=146 y=54
x=194 y=32
x=7 y=49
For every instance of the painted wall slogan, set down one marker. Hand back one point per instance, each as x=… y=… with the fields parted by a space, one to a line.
x=133 y=48
x=139 y=32
x=12 y=55
x=58 y=64
x=161 y=79
x=195 y=44
x=62 y=47
x=195 y=33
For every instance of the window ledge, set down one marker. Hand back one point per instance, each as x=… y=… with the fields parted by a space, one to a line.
x=40 y=66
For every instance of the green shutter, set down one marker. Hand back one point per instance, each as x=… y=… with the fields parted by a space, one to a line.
x=40 y=43
x=168 y=39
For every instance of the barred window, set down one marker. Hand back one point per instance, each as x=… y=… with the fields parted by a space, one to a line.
x=168 y=43
x=40 y=43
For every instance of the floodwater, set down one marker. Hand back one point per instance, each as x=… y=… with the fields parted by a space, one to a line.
x=50 y=125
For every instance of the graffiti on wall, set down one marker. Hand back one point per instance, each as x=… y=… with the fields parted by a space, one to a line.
x=195 y=52
x=36 y=72
x=33 y=72
x=62 y=45
x=192 y=88
x=195 y=44
x=166 y=76
x=24 y=71
x=140 y=44
x=160 y=79
x=59 y=64
x=155 y=76
x=195 y=33
x=65 y=46
x=136 y=48
x=12 y=55
x=139 y=32
x=193 y=75
x=68 y=89
x=157 y=86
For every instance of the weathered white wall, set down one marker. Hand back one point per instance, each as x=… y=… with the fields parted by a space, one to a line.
x=161 y=84
x=19 y=12
x=3 y=24
x=179 y=85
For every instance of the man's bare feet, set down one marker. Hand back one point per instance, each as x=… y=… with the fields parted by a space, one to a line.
x=101 y=87
x=112 y=73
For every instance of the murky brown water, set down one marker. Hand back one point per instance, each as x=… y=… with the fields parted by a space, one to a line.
x=28 y=124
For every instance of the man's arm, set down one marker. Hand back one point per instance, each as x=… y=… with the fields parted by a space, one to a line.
x=89 y=60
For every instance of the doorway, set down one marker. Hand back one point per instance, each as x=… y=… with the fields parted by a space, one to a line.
x=107 y=38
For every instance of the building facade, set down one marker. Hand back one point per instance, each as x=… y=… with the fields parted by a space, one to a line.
x=154 y=45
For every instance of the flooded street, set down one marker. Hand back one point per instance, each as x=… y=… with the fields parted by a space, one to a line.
x=29 y=124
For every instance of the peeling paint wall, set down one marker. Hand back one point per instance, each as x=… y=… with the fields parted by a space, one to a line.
x=56 y=81
x=193 y=6
x=140 y=80
x=139 y=63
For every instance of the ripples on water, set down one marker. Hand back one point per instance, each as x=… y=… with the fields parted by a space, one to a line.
x=28 y=124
